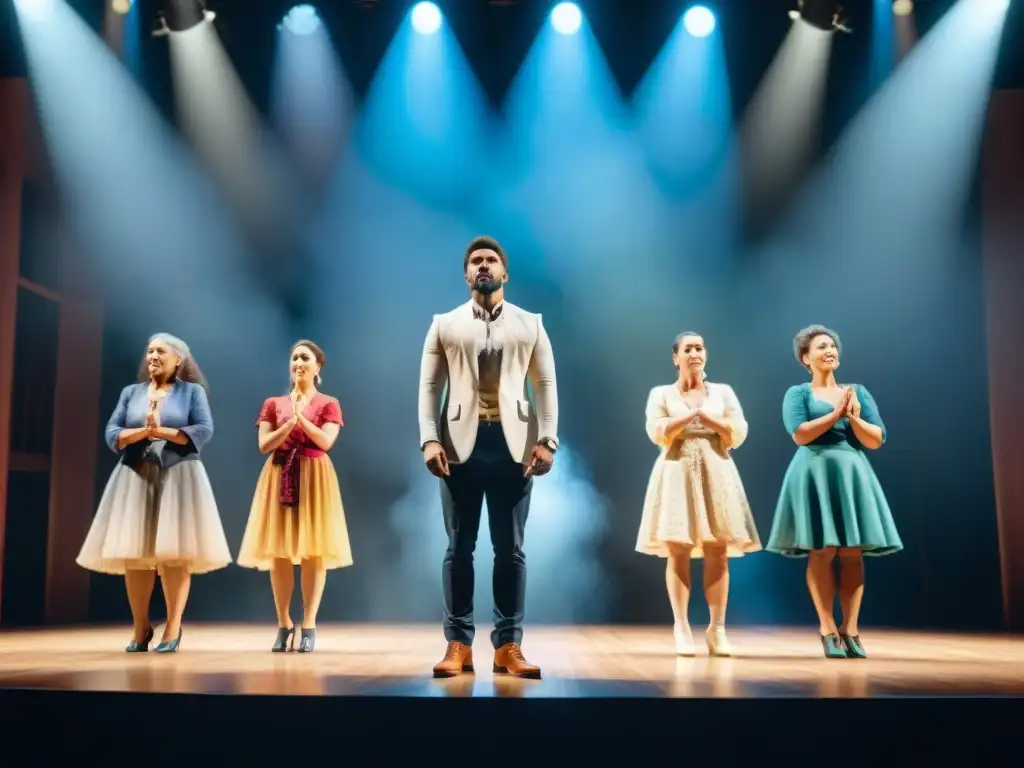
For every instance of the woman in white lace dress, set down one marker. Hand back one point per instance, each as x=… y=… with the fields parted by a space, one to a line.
x=695 y=504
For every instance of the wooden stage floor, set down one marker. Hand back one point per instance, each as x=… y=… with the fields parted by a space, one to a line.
x=578 y=662
x=367 y=695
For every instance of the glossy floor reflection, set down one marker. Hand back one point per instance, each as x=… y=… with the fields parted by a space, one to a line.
x=578 y=662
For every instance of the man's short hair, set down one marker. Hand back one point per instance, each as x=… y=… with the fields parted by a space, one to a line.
x=484 y=243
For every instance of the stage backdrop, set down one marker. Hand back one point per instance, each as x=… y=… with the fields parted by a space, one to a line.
x=920 y=347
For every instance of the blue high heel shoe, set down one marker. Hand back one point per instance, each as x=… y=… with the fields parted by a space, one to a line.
x=143 y=647
x=284 y=634
x=308 y=640
x=833 y=647
x=853 y=647
x=171 y=646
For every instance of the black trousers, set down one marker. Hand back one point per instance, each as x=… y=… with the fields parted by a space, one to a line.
x=490 y=473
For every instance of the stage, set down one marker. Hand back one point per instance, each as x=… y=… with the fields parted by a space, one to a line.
x=577 y=662
x=601 y=686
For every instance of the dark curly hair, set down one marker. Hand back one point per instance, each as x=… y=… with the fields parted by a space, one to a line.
x=187 y=370
x=484 y=243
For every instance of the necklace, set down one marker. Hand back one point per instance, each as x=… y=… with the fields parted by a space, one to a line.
x=156 y=393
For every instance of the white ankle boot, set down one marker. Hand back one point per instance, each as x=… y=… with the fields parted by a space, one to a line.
x=718 y=642
x=684 y=641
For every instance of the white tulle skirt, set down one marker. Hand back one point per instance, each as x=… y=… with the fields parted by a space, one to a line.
x=150 y=517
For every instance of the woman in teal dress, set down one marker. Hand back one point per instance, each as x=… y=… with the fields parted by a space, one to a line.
x=831 y=503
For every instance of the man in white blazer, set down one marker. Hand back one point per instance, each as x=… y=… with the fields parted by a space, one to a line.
x=486 y=440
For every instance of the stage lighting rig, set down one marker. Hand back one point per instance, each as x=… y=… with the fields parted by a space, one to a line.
x=181 y=16
x=825 y=15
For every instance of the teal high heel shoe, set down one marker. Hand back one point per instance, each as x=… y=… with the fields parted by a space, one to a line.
x=171 y=646
x=284 y=634
x=853 y=647
x=143 y=647
x=308 y=641
x=833 y=647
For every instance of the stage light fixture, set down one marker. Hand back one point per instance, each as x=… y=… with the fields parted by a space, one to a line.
x=699 y=21
x=181 y=16
x=825 y=15
x=426 y=18
x=566 y=18
x=122 y=7
x=301 y=20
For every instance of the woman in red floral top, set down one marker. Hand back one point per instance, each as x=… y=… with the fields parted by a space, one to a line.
x=297 y=516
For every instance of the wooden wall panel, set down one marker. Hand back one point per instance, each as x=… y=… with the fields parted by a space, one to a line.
x=1003 y=249
x=13 y=101
x=38 y=258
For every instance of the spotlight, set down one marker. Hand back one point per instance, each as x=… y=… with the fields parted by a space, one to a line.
x=566 y=18
x=825 y=15
x=34 y=9
x=122 y=7
x=301 y=20
x=426 y=18
x=181 y=16
x=699 y=21
x=903 y=7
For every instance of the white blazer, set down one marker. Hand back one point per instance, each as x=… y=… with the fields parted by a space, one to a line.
x=450 y=355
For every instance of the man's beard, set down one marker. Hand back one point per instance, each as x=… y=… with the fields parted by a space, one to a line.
x=486 y=285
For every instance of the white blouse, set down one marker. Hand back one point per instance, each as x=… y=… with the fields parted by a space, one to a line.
x=665 y=404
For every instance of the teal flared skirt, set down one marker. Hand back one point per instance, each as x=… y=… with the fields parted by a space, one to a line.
x=831 y=498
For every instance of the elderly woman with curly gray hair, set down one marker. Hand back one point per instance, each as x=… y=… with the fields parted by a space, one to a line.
x=158 y=513
x=831 y=504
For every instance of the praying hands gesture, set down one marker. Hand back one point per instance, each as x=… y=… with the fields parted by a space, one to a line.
x=152 y=430
x=679 y=425
x=853 y=404
x=152 y=421
x=847 y=406
x=296 y=398
x=717 y=425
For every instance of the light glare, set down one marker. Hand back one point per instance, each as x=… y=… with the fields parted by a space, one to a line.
x=566 y=18
x=302 y=20
x=426 y=18
x=699 y=21
x=34 y=9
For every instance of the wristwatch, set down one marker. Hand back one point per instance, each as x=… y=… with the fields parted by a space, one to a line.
x=549 y=443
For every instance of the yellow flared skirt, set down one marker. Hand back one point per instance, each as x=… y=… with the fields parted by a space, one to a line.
x=315 y=528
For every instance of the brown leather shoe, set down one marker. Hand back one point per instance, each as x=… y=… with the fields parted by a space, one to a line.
x=457 y=659
x=509 y=659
